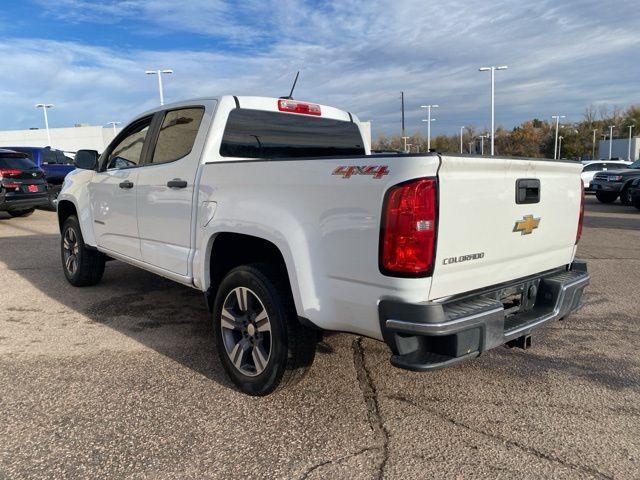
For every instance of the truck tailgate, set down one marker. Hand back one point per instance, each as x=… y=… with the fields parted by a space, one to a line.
x=486 y=238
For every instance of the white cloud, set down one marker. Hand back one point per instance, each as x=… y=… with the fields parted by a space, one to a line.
x=356 y=55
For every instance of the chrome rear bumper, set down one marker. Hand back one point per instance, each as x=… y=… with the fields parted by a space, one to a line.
x=433 y=335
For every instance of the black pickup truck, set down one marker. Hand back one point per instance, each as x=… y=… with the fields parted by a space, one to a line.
x=612 y=184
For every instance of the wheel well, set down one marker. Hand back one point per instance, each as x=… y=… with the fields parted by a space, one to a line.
x=65 y=210
x=231 y=250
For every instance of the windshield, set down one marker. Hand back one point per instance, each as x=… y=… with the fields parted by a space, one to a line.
x=635 y=164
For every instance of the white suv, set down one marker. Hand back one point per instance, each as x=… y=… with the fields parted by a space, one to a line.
x=591 y=168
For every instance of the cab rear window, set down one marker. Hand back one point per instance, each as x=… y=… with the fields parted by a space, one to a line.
x=259 y=134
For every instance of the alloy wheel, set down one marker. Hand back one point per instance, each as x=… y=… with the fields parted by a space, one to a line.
x=246 y=331
x=71 y=248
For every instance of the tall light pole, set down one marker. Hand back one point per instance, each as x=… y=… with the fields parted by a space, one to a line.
x=629 y=152
x=482 y=137
x=44 y=107
x=610 y=139
x=159 y=73
x=493 y=99
x=114 y=126
x=593 y=145
x=555 y=143
x=402 y=108
x=461 y=129
x=429 y=120
x=405 y=144
x=560 y=146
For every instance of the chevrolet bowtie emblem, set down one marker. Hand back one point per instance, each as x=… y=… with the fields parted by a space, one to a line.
x=527 y=225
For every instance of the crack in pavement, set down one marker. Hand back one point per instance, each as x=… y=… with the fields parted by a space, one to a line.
x=370 y=395
x=333 y=461
x=530 y=450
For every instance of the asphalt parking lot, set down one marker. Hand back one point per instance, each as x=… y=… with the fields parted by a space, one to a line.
x=121 y=380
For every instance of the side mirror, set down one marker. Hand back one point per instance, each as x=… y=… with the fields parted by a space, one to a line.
x=86 y=159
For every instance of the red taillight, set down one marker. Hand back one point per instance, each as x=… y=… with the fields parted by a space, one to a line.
x=293 y=106
x=409 y=227
x=581 y=218
x=9 y=172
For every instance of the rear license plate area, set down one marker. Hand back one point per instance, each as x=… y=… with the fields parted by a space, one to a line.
x=511 y=303
x=31 y=188
x=518 y=298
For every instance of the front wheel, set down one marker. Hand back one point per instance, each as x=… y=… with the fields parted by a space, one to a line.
x=625 y=197
x=82 y=266
x=606 y=197
x=260 y=341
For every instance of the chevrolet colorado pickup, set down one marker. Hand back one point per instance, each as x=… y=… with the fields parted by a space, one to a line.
x=277 y=212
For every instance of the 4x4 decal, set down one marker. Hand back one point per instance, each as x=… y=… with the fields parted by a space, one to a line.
x=346 y=171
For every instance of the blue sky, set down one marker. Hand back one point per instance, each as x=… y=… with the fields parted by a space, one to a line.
x=88 y=58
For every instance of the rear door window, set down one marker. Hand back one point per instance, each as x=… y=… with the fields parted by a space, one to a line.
x=177 y=134
x=48 y=156
x=261 y=134
x=61 y=158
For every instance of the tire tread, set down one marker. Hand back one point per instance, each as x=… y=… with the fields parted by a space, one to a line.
x=91 y=264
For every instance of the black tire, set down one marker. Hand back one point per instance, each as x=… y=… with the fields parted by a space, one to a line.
x=625 y=197
x=637 y=203
x=21 y=213
x=88 y=264
x=54 y=191
x=291 y=345
x=606 y=197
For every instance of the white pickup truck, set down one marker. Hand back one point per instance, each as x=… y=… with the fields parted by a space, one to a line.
x=277 y=211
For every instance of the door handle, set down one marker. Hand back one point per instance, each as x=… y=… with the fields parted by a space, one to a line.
x=177 y=183
x=126 y=184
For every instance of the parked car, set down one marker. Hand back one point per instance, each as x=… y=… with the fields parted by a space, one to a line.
x=591 y=168
x=612 y=184
x=22 y=184
x=276 y=210
x=634 y=193
x=56 y=166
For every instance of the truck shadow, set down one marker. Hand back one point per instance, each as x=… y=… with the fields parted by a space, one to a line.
x=169 y=318
x=173 y=320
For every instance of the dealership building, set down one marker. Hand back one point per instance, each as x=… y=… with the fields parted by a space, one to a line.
x=620 y=148
x=69 y=139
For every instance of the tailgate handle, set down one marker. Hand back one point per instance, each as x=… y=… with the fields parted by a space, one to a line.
x=527 y=190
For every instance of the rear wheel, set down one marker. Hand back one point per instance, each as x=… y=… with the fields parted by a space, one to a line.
x=625 y=196
x=606 y=197
x=260 y=342
x=21 y=213
x=82 y=266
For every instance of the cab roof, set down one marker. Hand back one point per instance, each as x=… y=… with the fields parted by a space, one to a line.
x=258 y=103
